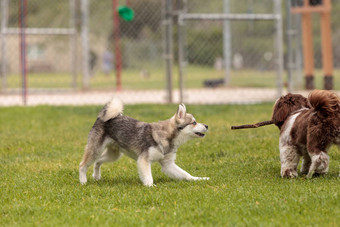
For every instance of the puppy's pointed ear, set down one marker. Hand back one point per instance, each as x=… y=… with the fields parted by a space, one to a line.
x=181 y=111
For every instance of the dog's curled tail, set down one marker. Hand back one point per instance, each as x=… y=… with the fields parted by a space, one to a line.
x=111 y=110
x=324 y=101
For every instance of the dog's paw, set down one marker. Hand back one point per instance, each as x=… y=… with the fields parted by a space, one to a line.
x=96 y=176
x=150 y=185
x=310 y=175
x=200 y=178
x=289 y=173
x=82 y=179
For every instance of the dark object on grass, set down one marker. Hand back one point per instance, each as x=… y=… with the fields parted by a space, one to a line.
x=213 y=82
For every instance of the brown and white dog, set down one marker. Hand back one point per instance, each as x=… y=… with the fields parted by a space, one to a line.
x=308 y=127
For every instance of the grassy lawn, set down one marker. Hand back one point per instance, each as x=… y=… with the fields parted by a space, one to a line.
x=194 y=77
x=41 y=148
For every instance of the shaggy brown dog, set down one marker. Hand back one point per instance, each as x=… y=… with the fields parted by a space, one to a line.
x=307 y=128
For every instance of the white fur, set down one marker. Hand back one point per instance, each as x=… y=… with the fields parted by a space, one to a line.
x=181 y=111
x=110 y=154
x=288 y=154
x=82 y=175
x=174 y=171
x=113 y=109
x=144 y=170
x=107 y=153
x=183 y=137
x=155 y=154
x=319 y=164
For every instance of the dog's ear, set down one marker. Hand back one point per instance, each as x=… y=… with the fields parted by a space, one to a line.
x=181 y=111
x=281 y=111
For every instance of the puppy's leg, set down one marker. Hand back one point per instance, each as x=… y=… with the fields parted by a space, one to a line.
x=110 y=154
x=289 y=161
x=306 y=162
x=319 y=164
x=88 y=159
x=172 y=170
x=144 y=169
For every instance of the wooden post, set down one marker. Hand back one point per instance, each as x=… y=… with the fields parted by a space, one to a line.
x=308 y=52
x=326 y=44
x=327 y=56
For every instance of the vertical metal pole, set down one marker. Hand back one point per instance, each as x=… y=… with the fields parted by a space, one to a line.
x=85 y=44
x=22 y=40
x=226 y=43
x=73 y=42
x=4 y=24
x=279 y=47
x=289 y=33
x=180 y=57
x=168 y=55
x=116 y=34
x=181 y=8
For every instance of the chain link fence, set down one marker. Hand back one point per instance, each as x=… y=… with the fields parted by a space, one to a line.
x=47 y=45
x=54 y=52
x=240 y=51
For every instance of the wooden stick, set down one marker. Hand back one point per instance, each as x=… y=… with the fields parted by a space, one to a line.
x=259 y=124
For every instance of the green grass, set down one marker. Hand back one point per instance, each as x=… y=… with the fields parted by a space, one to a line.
x=41 y=148
x=194 y=77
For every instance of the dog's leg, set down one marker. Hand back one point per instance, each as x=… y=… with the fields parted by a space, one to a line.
x=174 y=171
x=110 y=154
x=144 y=170
x=289 y=161
x=88 y=159
x=306 y=162
x=93 y=150
x=319 y=164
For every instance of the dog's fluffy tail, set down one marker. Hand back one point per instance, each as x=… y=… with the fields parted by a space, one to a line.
x=324 y=101
x=111 y=110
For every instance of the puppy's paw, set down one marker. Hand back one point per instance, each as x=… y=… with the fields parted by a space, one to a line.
x=96 y=176
x=310 y=175
x=200 y=178
x=289 y=173
x=150 y=185
x=82 y=181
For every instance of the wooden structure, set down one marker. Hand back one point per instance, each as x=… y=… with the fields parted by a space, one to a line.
x=306 y=8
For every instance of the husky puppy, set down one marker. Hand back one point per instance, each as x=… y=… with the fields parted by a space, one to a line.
x=114 y=134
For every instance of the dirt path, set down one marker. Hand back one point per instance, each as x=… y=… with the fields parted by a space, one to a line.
x=191 y=96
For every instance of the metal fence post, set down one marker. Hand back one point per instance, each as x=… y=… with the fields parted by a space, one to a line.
x=279 y=46
x=22 y=41
x=4 y=24
x=180 y=58
x=85 y=44
x=289 y=33
x=73 y=42
x=226 y=44
x=168 y=55
x=181 y=8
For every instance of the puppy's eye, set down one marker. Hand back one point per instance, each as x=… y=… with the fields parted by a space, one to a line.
x=194 y=123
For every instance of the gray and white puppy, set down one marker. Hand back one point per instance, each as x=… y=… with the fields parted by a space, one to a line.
x=113 y=134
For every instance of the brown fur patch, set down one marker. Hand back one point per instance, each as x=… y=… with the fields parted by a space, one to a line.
x=286 y=105
x=324 y=101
